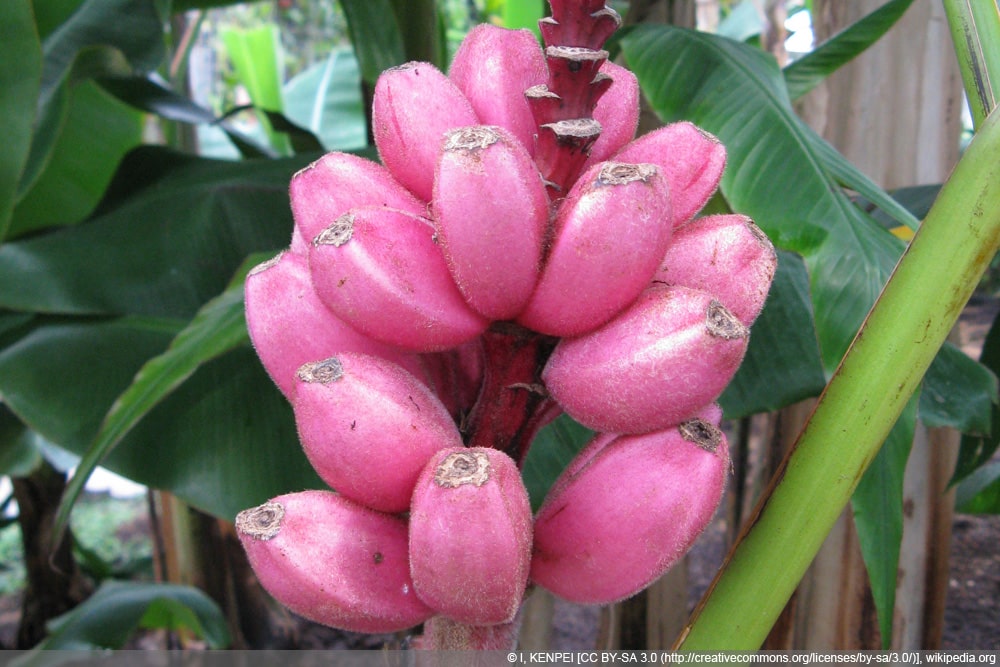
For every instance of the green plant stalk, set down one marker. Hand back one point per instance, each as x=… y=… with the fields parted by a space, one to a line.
x=911 y=319
x=975 y=30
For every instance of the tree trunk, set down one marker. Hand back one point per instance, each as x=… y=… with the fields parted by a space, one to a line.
x=54 y=582
x=895 y=113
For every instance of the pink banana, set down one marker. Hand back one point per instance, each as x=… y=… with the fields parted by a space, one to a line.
x=381 y=271
x=692 y=161
x=333 y=561
x=610 y=235
x=672 y=351
x=726 y=255
x=470 y=536
x=368 y=427
x=491 y=212
x=289 y=325
x=337 y=182
x=414 y=105
x=493 y=67
x=623 y=515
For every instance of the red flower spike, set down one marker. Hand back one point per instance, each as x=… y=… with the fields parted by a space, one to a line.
x=562 y=150
x=333 y=561
x=587 y=24
x=573 y=76
x=493 y=67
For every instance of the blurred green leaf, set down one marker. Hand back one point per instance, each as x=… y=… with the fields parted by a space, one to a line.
x=326 y=99
x=375 y=35
x=977 y=449
x=878 y=516
x=743 y=22
x=782 y=364
x=807 y=72
x=20 y=82
x=979 y=493
x=551 y=451
x=98 y=132
x=117 y=609
x=958 y=392
x=101 y=38
x=523 y=14
x=257 y=57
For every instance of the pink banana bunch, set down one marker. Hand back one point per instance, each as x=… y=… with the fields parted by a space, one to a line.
x=515 y=255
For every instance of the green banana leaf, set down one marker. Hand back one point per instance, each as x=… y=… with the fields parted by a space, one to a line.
x=326 y=100
x=810 y=70
x=117 y=610
x=20 y=82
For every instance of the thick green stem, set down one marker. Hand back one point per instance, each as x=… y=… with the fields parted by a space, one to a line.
x=975 y=29
x=911 y=319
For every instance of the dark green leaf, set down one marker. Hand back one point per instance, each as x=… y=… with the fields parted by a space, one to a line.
x=20 y=82
x=217 y=328
x=782 y=365
x=958 y=392
x=551 y=451
x=164 y=251
x=878 y=516
x=779 y=170
x=977 y=450
x=807 y=72
x=423 y=31
x=18 y=453
x=300 y=139
x=117 y=609
x=375 y=35
x=979 y=493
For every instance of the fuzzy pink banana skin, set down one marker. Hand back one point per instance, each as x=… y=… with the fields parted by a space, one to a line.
x=413 y=106
x=692 y=161
x=389 y=280
x=491 y=213
x=725 y=255
x=370 y=431
x=289 y=325
x=618 y=113
x=609 y=239
x=615 y=524
x=493 y=67
x=334 y=562
x=651 y=367
x=335 y=183
x=470 y=544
